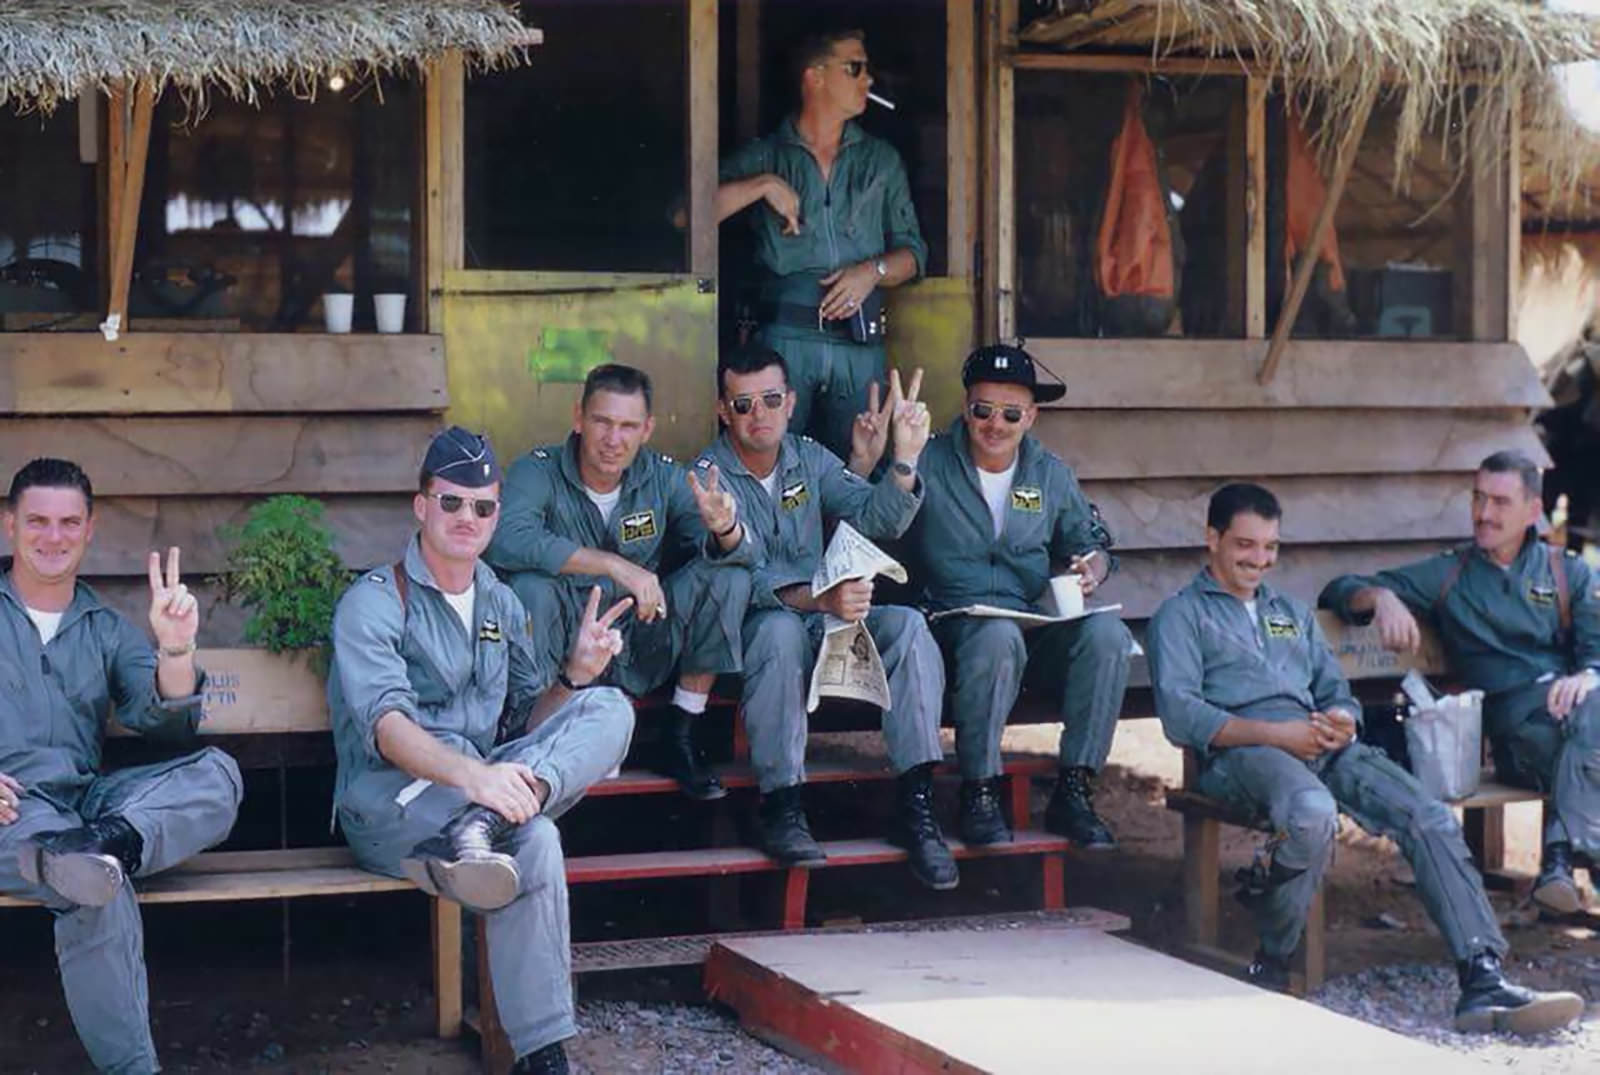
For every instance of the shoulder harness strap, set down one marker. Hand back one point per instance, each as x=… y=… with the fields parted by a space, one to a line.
x=402 y=584
x=1451 y=579
x=1558 y=571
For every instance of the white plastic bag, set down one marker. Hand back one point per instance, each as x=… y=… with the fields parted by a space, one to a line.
x=1446 y=745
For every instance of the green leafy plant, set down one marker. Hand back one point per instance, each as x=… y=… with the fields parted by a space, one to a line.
x=283 y=568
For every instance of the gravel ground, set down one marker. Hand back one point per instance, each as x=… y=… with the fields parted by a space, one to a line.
x=671 y=1039
x=1418 y=1000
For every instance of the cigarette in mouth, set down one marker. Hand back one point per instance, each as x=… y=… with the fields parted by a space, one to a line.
x=884 y=101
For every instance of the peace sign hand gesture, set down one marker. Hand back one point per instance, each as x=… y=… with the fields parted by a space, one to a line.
x=911 y=422
x=718 y=510
x=870 y=434
x=174 y=612
x=597 y=641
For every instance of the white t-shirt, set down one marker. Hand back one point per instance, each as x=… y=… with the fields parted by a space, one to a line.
x=48 y=624
x=996 y=491
x=770 y=483
x=606 y=502
x=1255 y=620
x=462 y=603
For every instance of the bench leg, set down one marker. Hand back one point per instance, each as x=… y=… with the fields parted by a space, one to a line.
x=446 y=921
x=1052 y=869
x=1201 y=862
x=495 y=1047
x=1485 y=830
x=1313 y=957
x=1020 y=788
x=741 y=741
x=795 y=884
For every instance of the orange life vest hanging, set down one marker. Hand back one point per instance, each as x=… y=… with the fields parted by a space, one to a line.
x=1133 y=251
x=1303 y=197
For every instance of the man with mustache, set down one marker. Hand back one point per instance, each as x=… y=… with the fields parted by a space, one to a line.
x=1244 y=678
x=1520 y=621
x=603 y=509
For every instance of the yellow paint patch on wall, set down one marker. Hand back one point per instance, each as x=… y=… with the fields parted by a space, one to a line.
x=931 y=324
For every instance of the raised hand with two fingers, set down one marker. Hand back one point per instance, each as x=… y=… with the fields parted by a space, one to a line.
x=911 y=421
x=597 y=642
x=719 y=511
x=174 y=612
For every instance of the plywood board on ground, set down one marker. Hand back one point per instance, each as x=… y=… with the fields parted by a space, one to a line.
x=1035 y=1000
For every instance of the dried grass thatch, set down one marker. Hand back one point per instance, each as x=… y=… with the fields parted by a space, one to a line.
x=53 y=50
x=1450 y=65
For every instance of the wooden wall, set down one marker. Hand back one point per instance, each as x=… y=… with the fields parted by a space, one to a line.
x=182 y=433
x=1370 y=445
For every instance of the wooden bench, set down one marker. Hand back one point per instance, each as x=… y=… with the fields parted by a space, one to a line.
x=1363 y=658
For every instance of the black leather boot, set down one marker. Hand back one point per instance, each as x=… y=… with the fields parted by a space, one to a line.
x=1556 y=891
x=551 y=1060
x=981 y=819
x=1256 y=881
x=681 y=758
x=465 y=862
x=785 y=836
x=917 y=830
x=84 y=866
x=1490 y=1003
x=1268 y=971
x=1071 y=812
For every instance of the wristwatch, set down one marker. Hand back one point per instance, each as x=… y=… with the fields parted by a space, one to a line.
x=178 y=651
x=882 y=265
x=905 y=470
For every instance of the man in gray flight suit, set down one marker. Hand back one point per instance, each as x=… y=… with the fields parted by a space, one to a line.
x=70 y=837
x=459 y=745
x=838 y=224
x=1000 y=516
x=603 y=509
x=1520 y=621
x=1244 y=678
x=786 y=486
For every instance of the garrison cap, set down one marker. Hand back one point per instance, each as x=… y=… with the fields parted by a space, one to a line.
x=1003 y=363
x=463 y=457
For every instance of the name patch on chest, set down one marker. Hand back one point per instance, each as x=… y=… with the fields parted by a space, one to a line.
x=1281 y=627
x=792 y=496
x=490 y=632
x=1542 y=595
x=639 y=526
x=1027 y=498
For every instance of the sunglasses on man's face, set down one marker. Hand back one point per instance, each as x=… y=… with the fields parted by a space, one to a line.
x=981 y=410
x=853 y=68
x=450 y=503
x=771 y=400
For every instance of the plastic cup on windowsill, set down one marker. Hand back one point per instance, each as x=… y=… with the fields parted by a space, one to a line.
x=337 y=311
x=389 y=310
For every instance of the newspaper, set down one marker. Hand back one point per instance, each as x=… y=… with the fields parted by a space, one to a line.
x=848 y=664
x=1027 y=619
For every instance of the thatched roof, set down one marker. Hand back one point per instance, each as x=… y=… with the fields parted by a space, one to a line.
x=53 y=50
x=1446 y=63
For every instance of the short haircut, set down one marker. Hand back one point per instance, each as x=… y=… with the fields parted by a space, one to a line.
x=1236 y=498
x=745 y=359
x=816 y=48
x=1518 y=463
x=50 y=474
x=623 y=380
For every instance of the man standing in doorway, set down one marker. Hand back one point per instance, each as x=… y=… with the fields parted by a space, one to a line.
x=70 y=835
x=838 y=226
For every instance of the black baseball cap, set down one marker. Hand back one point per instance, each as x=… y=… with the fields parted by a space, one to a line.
x=1003 y=363
x=463 y=457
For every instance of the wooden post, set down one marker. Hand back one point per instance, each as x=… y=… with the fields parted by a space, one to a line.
x=112 y=170
x=1313 y=956
x=1201 y=889
x=1487 y=244
x=702 y=157
x=961 y=136
x=446 y=923
x=444 y=213
x=127 y=178
x=999 y=172
x=1307 y=263
x=1513 y=213
x=1255 y=199
x=747 y=70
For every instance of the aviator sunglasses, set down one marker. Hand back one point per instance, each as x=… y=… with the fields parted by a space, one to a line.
x=853 y=68
x=981 y=410
x=771 y=400
x=450 y=503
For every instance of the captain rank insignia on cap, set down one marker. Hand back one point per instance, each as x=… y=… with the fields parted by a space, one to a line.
x=794 y=495
x=1282 y=627
x=1027 y=498
x=490 y=632
x=638 y=526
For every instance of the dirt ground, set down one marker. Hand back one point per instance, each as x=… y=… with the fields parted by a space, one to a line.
x=357 y=999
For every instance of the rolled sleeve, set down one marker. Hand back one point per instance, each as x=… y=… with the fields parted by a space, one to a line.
x=368 y=627
x=901 y=231
x=1329 y=688
x=136 y=694
x=522 y=540
x=1076 y=529
x=1417 y=584
x=1177 y=674
x=752 y=158
x=880 y=510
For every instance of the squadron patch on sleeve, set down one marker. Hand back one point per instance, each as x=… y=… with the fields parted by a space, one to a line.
x=639 y=526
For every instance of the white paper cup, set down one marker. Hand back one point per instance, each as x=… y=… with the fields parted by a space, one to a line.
x=337 y=310
x=1068 y=593
x=389 y=308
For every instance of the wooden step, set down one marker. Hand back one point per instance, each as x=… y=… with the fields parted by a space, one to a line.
x=737 y=775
